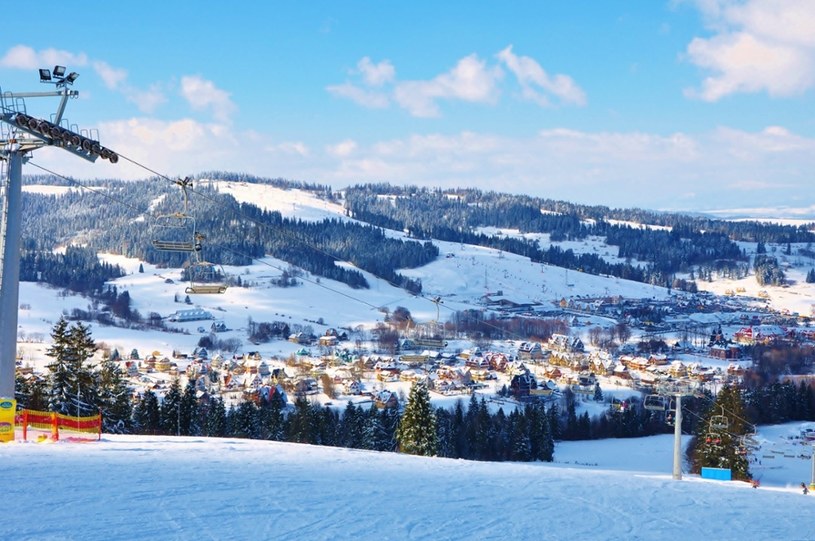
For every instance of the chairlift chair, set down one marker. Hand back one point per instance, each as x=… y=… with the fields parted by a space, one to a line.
x=713 y=439
x=655 y=402
x=176 y=233
x=204 y=279
x=719 y=422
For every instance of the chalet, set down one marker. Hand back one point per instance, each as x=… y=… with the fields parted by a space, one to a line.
x=657 y=359
x=278 y=375
x=497 y=361
x=735 y=369
x=450 y=387
x=553 y=372
x=306 y=386
x=132 y=368
x=410 y=375
x=621 y=371
x=478 y=362
x=301 y=338
x=678 y=369
x=407 y=344
x=272 y=392
x=559 y=342
x=760 y=334
x=218 y=326
x=386 y=399
x=634 y=363
x=353 y=387
x=163 y=365
x=601 y=365
x=522 y=384
x=328 y=341
x=724 y=351
x=530 y=351
x=544 y=390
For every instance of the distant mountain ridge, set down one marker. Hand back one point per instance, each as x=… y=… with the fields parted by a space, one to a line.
x=119 y=217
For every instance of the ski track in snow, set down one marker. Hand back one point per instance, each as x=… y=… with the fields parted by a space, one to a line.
x=128 y=488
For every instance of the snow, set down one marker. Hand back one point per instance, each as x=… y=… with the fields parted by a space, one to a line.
x=142 y=487
x=161 y=487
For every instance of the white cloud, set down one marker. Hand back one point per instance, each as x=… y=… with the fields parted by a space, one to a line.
x=178 y=148
x=470 y=80
x=534 y=79
x=204 y=95
x=757 y=46
x=360 y=96
x=376 y=74
x=146 y=100
x=115 y=79
x=342 y=149
x=24 y=57
x=112 y=77
x=674 y=171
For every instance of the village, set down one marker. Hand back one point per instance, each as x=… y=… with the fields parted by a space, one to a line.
x=622 y=347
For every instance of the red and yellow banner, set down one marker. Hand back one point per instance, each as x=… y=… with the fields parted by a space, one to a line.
x=54 y=423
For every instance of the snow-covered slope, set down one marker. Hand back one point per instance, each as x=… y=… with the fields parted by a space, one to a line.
x=129 y=488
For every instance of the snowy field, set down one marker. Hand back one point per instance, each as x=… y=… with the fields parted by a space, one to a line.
x=141 y=487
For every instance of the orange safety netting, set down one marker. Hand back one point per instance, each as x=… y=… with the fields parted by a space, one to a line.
x=56 y=422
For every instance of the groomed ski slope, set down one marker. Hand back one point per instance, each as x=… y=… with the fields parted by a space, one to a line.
x=142 y=487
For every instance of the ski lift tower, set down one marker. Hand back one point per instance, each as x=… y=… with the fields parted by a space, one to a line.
x=676 y=390
x=20 y=135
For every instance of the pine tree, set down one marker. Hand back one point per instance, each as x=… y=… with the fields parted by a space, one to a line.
x=215 y=420
x=351 y=427
x=246 y=421
x=374 y=437
x=188 y=418
x=519 y=441
x=417 y=429
x=718 y=440
x=82 y=348
x=71 y=385
x=146 y=414
x=170 y=411
x=271 y=420
x=114 y=398
x=301 y=427
x=598 y=393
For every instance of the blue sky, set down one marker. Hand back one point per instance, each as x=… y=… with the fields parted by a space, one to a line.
x=685 y=105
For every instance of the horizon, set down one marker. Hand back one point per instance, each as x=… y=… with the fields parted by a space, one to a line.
x=684 y=106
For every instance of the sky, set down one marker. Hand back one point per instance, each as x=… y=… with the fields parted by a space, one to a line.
x=677 y=104
x=164 y=487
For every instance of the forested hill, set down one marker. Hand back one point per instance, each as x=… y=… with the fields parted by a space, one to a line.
x=123 y=218
x=670 y=244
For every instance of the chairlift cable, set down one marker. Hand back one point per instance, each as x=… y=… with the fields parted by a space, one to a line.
x=235 y=252
x=216 y=202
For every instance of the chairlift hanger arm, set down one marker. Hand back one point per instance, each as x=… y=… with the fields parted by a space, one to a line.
x=52 y=94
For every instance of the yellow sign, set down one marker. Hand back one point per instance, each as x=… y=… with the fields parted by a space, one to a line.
x=8 y=408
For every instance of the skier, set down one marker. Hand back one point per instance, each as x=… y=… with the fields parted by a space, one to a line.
x=804 y=488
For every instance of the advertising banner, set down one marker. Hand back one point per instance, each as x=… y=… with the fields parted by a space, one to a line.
x=8 y=407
